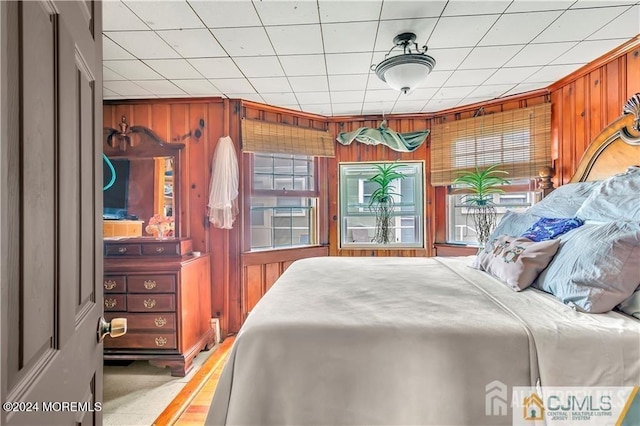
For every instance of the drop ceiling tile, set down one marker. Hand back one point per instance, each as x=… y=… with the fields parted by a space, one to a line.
x=492 y=91
x=199 y=87
x=349 y=11
x=126 y=88
x=473 y=100
x=437 y=78
x=348 y=82
x=287 y=12
x=527 y=87
x=412 y=9
x=578 y=24
x=251 y=41
x=466 y=7
x=347 y=109
x=387 y=30
x=296 y=39
x=309 y=84
x=449 y=59
x=348 y=63
x=143 y=44
x=216 y=67
x=173 y=68
x=419 y=95
x=389 y=95
x=587 y=51
x=109 y=94
x=518 y=28
x=160 y=15
x=299 y=65
x=437 y=105
x=132 y=70
x=227 y=14
x=348 y=96
x=260 y=66
x=454 y=92
x=339 y=38
x=118 y=17
x=374 y=83
x=626 y=25
x=490 y=56
x=250 y=97
x=108 y=74
x=279 y=98
x=270 y=85
x=233 y=86
x=111 y=50
x=405 y=107
x=160 y=87
x=552 y=73
x=538 y=5
x=580 y=4
x=322 y=109
x=468 y=77
x=460 y=31
x=511 y=75
x=313 y=98
x=377 y=108
x=196 y=43
x=539 y=54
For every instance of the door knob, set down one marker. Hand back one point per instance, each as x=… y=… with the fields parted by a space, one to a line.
x=115 y=328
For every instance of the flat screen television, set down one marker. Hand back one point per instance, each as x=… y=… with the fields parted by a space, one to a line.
x=115 y=197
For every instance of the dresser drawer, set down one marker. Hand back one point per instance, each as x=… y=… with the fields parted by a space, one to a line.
x=161 y=249
x=115 y=284
x=147 y=322
x=143 y=341
x=151 y=302
x=151 y=283
x=122 y=250
x=115 y=302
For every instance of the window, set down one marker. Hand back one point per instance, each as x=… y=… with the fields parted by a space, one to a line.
x=283 y=201
x=358 y=220
x=460 y=225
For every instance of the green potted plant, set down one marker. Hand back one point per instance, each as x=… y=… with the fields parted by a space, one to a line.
x=382 y=202
x=479 y=186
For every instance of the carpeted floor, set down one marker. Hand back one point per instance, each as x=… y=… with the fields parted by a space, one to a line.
x=136 y=393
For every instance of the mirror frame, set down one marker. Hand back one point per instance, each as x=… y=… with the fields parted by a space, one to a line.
x=141 y=142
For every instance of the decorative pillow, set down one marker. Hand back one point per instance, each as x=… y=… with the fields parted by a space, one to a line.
x=516 y=261
x=563 y=201
x=513 y=223
x=596 y=267
x=548 y=228
x=631 y=306
x=616 y=198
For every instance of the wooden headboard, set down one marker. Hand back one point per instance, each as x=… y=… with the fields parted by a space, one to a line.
x=615 y=148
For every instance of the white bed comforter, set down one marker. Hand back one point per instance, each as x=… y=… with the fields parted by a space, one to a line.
x=399 y=341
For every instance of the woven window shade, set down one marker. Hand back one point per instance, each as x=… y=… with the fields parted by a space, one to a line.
x=518 y=140
x=263 y=136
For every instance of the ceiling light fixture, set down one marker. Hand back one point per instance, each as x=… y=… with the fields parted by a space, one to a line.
x=407 y=71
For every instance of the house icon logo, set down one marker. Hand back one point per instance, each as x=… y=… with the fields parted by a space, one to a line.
x=533 y=408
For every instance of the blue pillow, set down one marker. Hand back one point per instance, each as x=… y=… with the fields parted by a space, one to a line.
x=548 y=228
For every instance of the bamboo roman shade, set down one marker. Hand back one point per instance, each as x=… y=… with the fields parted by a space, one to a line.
x=518 y=140
x=264 y=136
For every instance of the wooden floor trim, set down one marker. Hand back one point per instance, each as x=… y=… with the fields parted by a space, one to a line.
x=182 y=401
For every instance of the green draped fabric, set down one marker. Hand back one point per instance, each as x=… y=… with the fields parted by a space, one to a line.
x=402 y=142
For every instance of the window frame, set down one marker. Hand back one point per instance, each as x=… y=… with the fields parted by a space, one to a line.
x=420 y=212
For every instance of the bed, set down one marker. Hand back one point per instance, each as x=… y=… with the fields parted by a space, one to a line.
x=431 y=340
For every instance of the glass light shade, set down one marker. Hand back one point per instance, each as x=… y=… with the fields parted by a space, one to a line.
x=405 y=72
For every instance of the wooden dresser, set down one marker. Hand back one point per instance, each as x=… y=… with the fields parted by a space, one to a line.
x=164 y=292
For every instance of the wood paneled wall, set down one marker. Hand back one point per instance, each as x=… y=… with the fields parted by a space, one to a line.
x=582 y=105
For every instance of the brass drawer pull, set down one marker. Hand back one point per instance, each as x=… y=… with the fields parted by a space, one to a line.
x=161 y=341
x=160 y=322
x=122 y=249
x=150 y=284
x=149 y=303
x=110 y=303
x=110 y=284
x=159 y=249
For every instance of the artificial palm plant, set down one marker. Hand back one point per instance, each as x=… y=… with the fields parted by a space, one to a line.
x=480 y=185
x=382 y=202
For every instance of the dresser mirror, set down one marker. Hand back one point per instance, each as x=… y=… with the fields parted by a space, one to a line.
x=141 y=179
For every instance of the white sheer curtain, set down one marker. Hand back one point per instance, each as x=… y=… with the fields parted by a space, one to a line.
x=223 y=191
